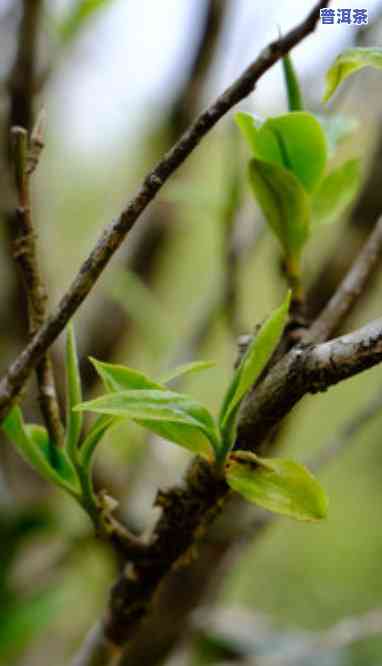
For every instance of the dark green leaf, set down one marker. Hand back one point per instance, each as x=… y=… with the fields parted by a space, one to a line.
x=284 y=203
x=73 y=394
x=161 y=409
x=336 y=192
x=279 y=485
x=294 y=141
x=349 y=62
x=295 y=101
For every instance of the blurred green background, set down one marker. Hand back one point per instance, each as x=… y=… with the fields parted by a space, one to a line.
x=171 y=295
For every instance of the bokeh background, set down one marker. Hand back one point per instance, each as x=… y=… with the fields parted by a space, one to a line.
x=118 y=87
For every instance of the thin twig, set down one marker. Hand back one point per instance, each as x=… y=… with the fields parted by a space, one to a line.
x=349 y=290
x=25 y=253
x=113 y=237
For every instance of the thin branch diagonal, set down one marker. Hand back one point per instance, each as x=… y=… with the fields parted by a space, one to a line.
x=114 y=235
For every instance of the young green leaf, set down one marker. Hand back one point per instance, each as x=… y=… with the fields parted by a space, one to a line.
x=253 y=363
x=295 y=141
x=284 y=203
x=187 y=369
x=295 y=101
x=73 y=394
x=347 y=63
x=336 y=192
x=101 y=425
x=33 y=445
x=162 y=410
x=122 y=378
x=281 y=486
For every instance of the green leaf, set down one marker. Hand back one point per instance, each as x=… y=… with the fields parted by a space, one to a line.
x=187 y=369
x=32 y=442
x=295 y=141
x=281 y=486
x=161 y=411
x=336 y=192
x=253 y=363
x=284 y=203
x=295 y=101
x=78 y=15
x=121 y=378
x=349 y=62
x=101 y=425
x=73 y=394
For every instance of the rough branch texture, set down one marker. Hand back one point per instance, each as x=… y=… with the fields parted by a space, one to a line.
x=188 y=510
x=115 y=234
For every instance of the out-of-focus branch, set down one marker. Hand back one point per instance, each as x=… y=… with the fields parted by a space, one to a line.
x=22 y=79
x=347 y=631
x=25 y=253
x=350 y=429
x=114 y=235
x=21 y=87
x=350 y=289
x=152 y=236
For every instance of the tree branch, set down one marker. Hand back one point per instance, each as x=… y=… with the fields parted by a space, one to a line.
x=189 y=510
x=350 y=289
x=25 y=253
x=113 y=236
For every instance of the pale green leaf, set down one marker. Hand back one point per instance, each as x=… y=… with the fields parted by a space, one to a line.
x=295 y=141
x=253 y=363
x=73 y=393
x=281 y=486
x=101 y=425
x=187 y=369
x=295 y=100
x=347 y=63
x=284 y=203
x=121 y=378
x=163 y=408
x=336 y=192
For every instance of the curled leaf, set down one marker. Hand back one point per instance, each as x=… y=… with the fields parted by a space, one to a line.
x=284 y=203
x=33 y=444
x=349 y=62
x=253 y=363
x=294 y=141
x=281 y=486
x=295 y=101
x=73 y=393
